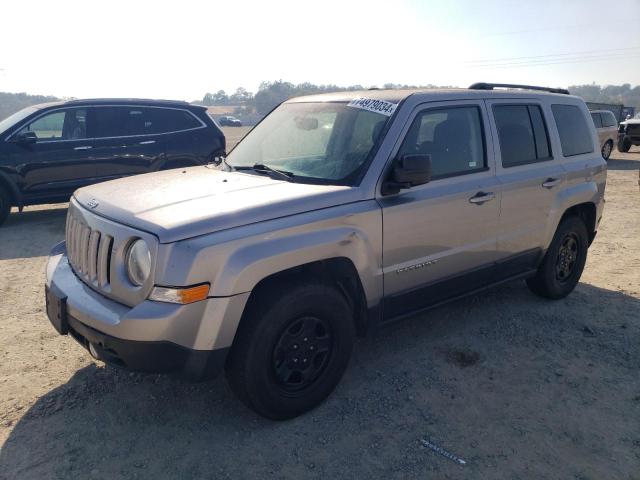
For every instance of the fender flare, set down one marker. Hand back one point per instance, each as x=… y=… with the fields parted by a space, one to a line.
x=251 y=264
x=575 y=195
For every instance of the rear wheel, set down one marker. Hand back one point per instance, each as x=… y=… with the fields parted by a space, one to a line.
x=562 y=265
x=291 y=349
x=5 y=205
x=606 y=149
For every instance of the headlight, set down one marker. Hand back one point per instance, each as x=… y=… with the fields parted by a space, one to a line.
x=138 y=262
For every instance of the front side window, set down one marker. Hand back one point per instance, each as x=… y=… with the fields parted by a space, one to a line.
x=522 y=134
x=597 y=120
x=317 y=142
x=452 y=136
x=68 y=124
x=575 y=136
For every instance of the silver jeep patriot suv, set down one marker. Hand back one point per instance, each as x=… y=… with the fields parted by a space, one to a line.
x=335 y=215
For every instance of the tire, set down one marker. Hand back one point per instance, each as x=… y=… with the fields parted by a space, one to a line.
x=624 y=145
x=309 y=322
x=607 y=148
x=562 y=265
x=5 y=205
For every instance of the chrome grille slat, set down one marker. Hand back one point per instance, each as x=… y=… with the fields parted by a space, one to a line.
x=88 y=251
x=76 y=242
x=84 y=249
x=92 y=255
x=104 y=250
x=72 y=240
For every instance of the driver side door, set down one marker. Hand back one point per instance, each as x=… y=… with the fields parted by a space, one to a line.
x=440 y=238
x=58 y=162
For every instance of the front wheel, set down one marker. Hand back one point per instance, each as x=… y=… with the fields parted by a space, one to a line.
x=562 y=265
x=291 y=349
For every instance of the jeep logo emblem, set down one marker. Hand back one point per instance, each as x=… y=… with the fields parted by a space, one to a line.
x=93 y=203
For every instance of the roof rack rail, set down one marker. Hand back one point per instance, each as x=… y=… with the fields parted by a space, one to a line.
x=491 y=86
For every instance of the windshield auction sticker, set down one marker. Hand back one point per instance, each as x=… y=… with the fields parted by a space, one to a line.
x=377 y=106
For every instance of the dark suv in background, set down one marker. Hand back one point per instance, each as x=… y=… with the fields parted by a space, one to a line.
x=48 y=151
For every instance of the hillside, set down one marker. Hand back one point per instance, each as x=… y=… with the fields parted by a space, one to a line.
x=12 y=102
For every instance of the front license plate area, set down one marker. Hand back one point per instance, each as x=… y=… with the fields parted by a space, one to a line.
x=57 y=311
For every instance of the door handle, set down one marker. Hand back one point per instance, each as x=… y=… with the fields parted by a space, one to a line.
x=551 y=182
x=482 y=197
x=148 y=142
x=84 y=147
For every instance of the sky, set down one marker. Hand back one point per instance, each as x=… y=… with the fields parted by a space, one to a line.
x=181 y=50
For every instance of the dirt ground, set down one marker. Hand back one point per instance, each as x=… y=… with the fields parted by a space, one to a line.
x=517 y=386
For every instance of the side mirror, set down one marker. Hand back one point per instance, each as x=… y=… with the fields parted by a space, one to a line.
x=26 y=138
x=409 y=170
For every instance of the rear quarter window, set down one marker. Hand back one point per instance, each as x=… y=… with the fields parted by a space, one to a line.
x=575 y=135
x=165 y=120
x=597 y=120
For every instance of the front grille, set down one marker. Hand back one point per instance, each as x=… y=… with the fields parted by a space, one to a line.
x=89 y=252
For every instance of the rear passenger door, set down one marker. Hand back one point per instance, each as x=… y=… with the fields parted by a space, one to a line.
x=530 y=176
x=610 y=127
x=440 y=238
x=124 y=141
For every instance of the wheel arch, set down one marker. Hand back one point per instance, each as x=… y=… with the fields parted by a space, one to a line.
x=339 y=272
x=585 y=211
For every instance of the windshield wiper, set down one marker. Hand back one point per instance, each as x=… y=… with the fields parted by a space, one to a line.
x=260 y=167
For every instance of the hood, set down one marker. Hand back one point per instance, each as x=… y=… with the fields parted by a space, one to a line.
x=184 y=203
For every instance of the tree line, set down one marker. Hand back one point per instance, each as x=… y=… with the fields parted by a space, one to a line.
x=12 y=102
x=270 y=94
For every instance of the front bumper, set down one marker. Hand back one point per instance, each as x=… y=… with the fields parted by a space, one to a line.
x=190 y=340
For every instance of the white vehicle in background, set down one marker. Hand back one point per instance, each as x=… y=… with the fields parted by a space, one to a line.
x=607 y=128
x=628 y=134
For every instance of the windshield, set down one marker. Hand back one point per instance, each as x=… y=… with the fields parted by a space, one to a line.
x=321 y=142
x=11 y=120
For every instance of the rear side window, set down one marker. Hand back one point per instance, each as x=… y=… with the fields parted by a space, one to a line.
x=131 y=121
x=452 y=136
x=575 y=136
x=608 y=120
x=105 y=122
x=597 y=120
x=522 y=134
